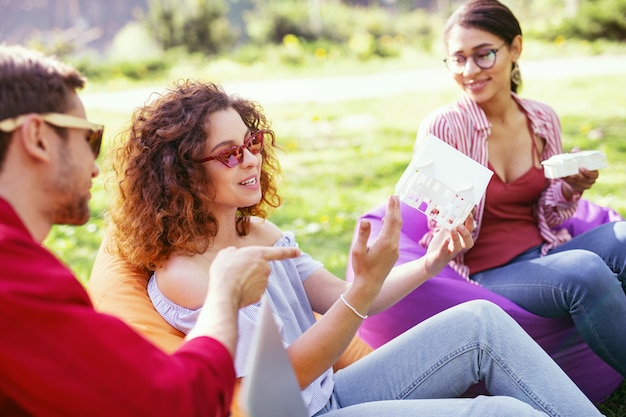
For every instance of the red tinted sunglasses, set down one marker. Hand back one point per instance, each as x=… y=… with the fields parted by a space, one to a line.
x=234 y=156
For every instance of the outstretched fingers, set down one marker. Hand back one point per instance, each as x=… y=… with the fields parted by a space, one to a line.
x=244 y=272
x=392 y=222
x=376 y=260
x=277 y=254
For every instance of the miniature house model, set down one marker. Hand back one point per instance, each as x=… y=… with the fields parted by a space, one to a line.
x=442 y=182
x=566 y=164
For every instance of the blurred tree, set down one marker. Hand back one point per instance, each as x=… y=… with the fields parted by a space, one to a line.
x=595 y=19
x=236 y=11
x=196 y=25
x=571 y=7
x=315 y=16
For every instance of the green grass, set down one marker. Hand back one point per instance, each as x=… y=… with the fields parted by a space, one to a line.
x=615 y=406
x=341 y=159
x=355 y=165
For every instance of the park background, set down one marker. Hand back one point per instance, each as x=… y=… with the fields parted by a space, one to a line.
x=345 y=84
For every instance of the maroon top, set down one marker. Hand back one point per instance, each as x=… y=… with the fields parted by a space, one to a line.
x=509 y=225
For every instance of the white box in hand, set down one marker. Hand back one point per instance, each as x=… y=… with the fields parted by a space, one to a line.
x=566 y=164
x=443 y=182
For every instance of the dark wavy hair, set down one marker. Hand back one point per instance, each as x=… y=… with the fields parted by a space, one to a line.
x=164 y=197
x=490 y=16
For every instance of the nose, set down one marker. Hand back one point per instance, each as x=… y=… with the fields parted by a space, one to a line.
x=471 y=67
x=249 y=158
x=95 y=170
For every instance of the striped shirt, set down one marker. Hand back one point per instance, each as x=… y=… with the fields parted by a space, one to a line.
x=464 y=125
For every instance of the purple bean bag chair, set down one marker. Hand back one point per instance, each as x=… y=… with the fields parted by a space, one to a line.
x=557 y=336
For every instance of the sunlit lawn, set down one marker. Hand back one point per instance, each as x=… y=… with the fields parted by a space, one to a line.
x=341 y=159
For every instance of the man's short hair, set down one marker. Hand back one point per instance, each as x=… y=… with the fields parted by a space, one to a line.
x=31 y=82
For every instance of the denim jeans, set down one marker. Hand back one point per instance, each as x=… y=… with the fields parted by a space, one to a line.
x=421 y=371
x=584 y=278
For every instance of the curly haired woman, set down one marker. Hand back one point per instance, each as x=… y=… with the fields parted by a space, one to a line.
x=197 y=173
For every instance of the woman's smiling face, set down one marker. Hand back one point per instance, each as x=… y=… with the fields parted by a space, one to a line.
x=239 y=186
x=482 y=84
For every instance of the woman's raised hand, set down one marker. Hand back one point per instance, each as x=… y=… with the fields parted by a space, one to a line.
x=447 y=244
x=374 y=262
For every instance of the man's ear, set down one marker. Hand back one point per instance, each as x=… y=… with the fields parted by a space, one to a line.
x=35 y=138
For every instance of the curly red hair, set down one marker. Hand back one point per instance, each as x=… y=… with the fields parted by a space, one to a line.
x=164 y=197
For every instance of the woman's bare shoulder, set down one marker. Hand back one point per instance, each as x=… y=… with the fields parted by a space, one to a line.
x=184 y=279
x=264 y=232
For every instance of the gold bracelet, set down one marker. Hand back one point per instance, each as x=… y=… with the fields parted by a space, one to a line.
x=361 y=316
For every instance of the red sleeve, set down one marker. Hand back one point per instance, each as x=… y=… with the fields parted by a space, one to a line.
x=59 y=357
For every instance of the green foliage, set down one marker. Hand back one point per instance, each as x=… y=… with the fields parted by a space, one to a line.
x=366 y=32
x=196 y=25
x=271 y=21
x=139 y=70
x=75 y=246
x=135 y=70
x=93 y=68
x=133 y=55
x=597 y=19
x=54 y=43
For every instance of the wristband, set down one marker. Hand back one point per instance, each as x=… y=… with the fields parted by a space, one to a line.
x=354 y=310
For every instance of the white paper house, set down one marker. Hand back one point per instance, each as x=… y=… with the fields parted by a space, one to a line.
x=442 y=182
x=565 y=164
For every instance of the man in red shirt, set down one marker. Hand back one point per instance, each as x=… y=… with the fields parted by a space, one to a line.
x=58 y=356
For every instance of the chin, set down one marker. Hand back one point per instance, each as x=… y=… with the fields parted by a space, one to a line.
x=75 y=221
x=479 y=98
x=77 y=216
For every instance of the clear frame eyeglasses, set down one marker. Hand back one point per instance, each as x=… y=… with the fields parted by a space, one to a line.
x=483 y=58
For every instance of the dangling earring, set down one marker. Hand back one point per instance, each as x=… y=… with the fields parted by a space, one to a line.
x=516 y=74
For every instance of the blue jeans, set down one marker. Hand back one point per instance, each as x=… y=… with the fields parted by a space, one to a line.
x=584 y=278
x=421 y=371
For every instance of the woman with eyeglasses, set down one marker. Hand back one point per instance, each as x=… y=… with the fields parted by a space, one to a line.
x=520 y=251
x=197 y=173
